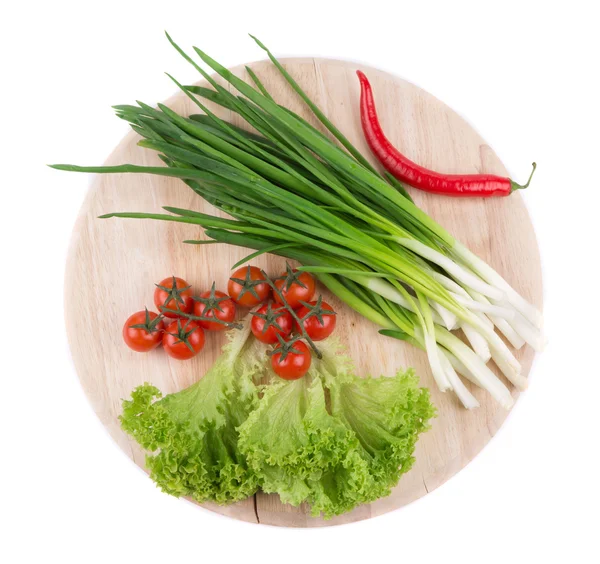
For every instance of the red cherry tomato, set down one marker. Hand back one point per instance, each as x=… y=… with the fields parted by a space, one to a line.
x=296 y=287
x=321 y=323
x=218 y=305
x=268 y=322
x=294 y=364
x=183 y=339
x=247 y=287
x=173 y=294
x=143 y=331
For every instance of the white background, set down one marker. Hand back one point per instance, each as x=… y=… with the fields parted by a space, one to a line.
x=524 y=74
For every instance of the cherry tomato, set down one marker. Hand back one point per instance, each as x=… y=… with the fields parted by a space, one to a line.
x=268 y=322
x=183 y=339
x=296 y=287
x=143 y=331
x=293 y=363
x=213 y=303
x=247 y=286
x=173 y=294
x=318 y=320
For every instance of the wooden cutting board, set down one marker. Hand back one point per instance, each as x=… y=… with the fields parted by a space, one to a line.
x=113 y=265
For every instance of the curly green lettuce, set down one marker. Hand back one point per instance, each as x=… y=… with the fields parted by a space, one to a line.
x=387 y=414
x=297 y=449
x=335 y=457
x=192 y=434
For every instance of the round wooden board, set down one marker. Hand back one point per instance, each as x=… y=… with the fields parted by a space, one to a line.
x=113 y=265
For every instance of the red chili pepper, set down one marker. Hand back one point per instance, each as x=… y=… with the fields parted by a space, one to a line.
x=484 y=185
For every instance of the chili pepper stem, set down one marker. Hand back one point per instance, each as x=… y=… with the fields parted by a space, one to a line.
x=514 y=186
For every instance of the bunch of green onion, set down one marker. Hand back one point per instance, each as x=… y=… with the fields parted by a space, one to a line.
x=290 y=190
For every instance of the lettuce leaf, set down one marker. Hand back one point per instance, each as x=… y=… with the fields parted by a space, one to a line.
x=192 y=434
x=335 y=458
x=387 y=415
x=296 y=447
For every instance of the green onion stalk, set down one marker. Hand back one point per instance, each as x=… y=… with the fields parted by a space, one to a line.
x=293 y=191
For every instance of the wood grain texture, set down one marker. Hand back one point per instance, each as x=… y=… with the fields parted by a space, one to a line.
x=113 y=264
